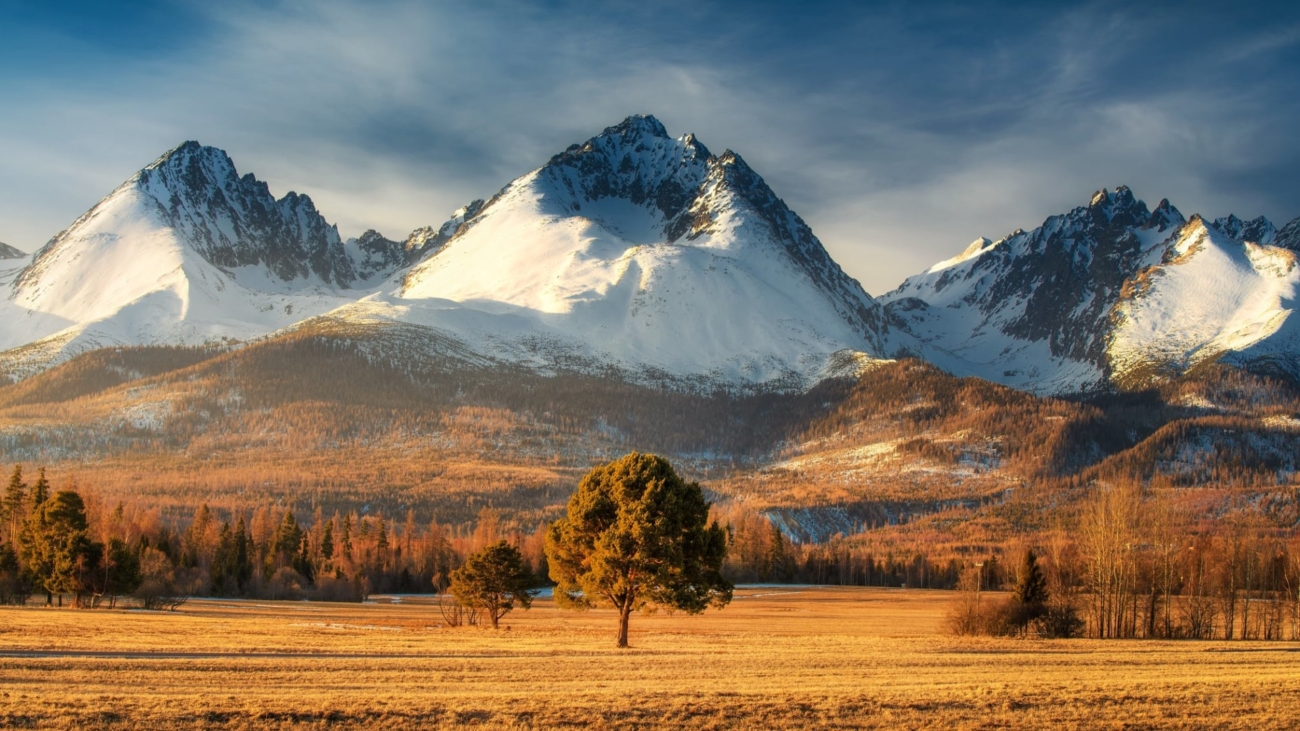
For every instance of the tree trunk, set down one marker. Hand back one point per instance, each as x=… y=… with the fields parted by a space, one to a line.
x=624 y=613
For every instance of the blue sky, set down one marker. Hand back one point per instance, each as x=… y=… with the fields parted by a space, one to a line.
x=900 y=133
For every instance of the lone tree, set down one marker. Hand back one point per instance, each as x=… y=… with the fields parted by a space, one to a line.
x=636 y=536
x=494 y=580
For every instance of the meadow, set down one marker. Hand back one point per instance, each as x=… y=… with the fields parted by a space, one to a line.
x=777 y=657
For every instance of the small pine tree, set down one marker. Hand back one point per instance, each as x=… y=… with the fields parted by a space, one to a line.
x=1031 y=586
x=221 y=572
x=41 y=490
x=121 y=570
x=327 y=542
x=243 y=560
x=345 y=541
x=14 y=586
x=494 y=580
x=302 y=560
x=1030 y=598
x=381 y=547
x=287 y=540
x=14 y=504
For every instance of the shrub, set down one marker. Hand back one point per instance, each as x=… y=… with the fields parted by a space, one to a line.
x=285 y=584
x=1059 y=621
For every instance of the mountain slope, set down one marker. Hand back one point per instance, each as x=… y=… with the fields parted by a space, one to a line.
x=647 y=255
x=1111 y=293
x=186 y=251
x=634 y=254
x=1208 y=297
x=1027 y=310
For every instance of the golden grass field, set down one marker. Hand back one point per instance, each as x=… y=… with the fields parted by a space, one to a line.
x=788 y=657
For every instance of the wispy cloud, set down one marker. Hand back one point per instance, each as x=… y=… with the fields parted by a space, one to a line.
x=899 y=134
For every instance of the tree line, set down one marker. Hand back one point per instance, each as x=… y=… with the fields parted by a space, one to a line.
x=1129 y=562
x=117 y=549
x=1134 y=563
x=73 y=543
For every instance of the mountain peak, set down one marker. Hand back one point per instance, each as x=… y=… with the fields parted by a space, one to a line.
x=637 y=124
x=230 y=221
x=634 y=242
x=634 y=160
x=9 y=252
x=1112 y=203
x=189 y=154
x=1164 y=216
x=1289 y=236
x=1258 y=230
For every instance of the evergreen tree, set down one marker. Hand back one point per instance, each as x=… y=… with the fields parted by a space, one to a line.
x=637 y=535
x=232 y=562
x=41 y=490
x=121 y=569
x=1031 y=585
x=14 y=586
x=1030 y=598
x=327 y=542
x=494 y=580
x=302 y=562
x=221 y=572
x=381 y=547
x=57 y=548
x=14 y=503
x=287 y=545
x=243 y=558
x=346 y=541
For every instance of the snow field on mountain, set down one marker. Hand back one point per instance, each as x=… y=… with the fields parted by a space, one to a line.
x=1210 y=295
x=646 y=255
x=726 y=305
x=120 y=276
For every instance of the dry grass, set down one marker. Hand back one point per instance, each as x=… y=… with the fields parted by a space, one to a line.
x=776 y=658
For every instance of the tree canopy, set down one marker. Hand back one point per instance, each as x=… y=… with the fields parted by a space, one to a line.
x=494 y=580
x=637 y=536
x=56 y=546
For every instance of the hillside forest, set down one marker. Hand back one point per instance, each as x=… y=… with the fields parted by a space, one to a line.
x=322 y=465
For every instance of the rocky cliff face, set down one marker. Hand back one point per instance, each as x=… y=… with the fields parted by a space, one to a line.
x=234 y=221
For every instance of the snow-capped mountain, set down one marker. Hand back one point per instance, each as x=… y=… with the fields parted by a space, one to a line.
x=1111 y=292
x=649 y=258
x=186 y=251
x=634 y=253
x=645 y=253
x=1206 y=295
